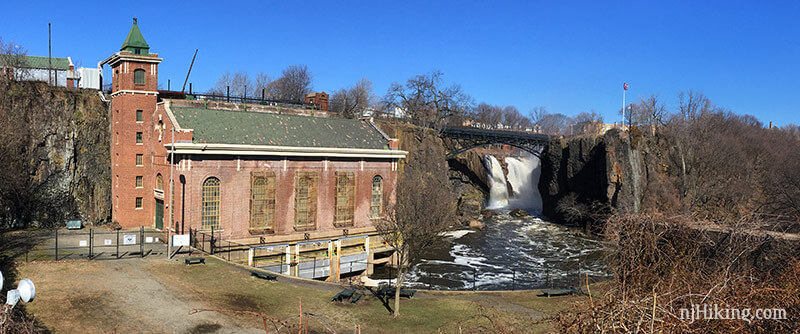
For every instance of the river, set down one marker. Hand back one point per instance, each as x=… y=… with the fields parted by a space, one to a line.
x=511 y=253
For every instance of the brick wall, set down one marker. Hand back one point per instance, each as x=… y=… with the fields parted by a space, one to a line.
x=129 y=97
x=234 y=175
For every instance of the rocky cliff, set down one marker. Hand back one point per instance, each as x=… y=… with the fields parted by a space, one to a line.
x=588 y=175
x=466 y=172
x=60 y=167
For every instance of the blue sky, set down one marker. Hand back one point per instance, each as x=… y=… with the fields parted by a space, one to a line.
x=569 y=56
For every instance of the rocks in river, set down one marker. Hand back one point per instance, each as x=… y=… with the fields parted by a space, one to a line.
x=487 y=214
x=518 y=213
x=476 y=225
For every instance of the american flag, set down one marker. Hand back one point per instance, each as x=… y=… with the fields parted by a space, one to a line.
x=624 y=86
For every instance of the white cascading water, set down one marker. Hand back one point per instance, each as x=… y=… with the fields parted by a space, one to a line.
x=523 y=176
x=498 y=191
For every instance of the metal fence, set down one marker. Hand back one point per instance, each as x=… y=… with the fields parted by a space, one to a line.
x=211 y=242
x=94 y=244
x=251 y=100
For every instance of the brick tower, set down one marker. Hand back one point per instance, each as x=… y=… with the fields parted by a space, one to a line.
x=134 y=97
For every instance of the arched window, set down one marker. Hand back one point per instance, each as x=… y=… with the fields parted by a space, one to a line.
x=138 y=77
x=345 y=198
x=159 y=182
x=305 y=201
x=376 y=203
x=211 y=189
x=262 y=201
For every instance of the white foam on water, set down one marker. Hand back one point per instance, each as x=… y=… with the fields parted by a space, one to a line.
x=457 y=234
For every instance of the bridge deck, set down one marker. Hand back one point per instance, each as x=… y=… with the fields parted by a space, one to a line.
x=471 y=138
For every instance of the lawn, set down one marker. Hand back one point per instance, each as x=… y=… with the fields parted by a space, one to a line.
x=156 y=295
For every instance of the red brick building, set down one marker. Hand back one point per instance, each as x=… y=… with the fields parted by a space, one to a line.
x=247 y=171
x=320 y=99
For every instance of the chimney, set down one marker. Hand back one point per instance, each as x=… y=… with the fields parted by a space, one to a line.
x=394 y=144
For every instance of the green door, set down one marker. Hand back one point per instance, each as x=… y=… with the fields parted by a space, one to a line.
x=159 y=214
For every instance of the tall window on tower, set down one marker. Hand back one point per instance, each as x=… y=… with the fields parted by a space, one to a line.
x=138 y=77
x=262 y=201
x=376 y=202
x=345 y=198
x=305 y=201
x=211 y=203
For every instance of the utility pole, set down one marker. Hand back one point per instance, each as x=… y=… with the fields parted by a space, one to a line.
x=49 y=55
x=171 y=194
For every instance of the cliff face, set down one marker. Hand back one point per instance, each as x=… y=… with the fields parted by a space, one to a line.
x=61 y=169
x=470 y=184
x=467 y=175
x=595 y=173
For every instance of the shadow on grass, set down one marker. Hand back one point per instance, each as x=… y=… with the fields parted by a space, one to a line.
x=382 y=297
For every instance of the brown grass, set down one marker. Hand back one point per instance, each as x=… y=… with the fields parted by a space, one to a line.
x=663 y=266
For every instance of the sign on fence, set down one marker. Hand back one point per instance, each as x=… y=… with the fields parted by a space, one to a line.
x=107 y=242
x=129 y=239
x=180 y=240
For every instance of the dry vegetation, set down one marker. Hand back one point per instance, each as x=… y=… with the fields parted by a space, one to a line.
x=713 y=183
x=663 y=266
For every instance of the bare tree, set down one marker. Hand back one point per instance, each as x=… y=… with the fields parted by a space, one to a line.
x=12 y=61
x=652 y=111
x=293 y=85
x=590 y=116
x=555 y=124
x=424 y=209
x=488 y=115
x=263 y=86
x=512 y=118
x=353 y=101
x=236 y=82
x=427 y=101
x=537 y=113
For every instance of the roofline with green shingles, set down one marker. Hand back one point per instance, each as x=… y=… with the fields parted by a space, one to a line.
x=36 y=62
x=268 y=131
x=135 y=40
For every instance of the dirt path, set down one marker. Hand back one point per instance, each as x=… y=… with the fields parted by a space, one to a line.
x=127 y=296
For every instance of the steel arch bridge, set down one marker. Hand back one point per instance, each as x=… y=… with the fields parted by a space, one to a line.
x=470 y=138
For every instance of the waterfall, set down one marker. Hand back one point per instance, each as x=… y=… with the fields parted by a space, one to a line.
x=498 y=191
x=523 y=176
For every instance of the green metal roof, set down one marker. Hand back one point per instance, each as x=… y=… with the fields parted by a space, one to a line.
x=37 y=62
x=135 y=40
x=260 y=128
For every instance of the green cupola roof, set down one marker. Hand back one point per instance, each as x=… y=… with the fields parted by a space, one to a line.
x=135 y=42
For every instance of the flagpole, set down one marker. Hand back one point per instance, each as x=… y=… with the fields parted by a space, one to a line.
x=623 y=106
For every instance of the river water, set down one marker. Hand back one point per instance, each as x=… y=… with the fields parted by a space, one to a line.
x=511 y=253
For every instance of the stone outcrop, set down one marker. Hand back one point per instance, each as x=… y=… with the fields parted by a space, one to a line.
x=466 y=172
x=594 y=172
x=66 y=151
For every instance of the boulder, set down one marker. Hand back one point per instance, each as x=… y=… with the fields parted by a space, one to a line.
x=518 y=213
x=476 y=225
x=487 y=214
